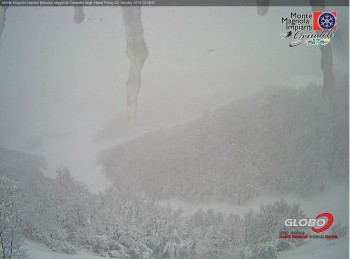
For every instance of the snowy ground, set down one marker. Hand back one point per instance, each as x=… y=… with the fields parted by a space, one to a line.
x=320 y=249
x=36 y=250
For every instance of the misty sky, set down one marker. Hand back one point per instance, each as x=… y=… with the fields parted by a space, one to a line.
x=63 y=91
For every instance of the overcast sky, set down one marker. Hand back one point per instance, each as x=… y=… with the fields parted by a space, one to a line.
x=63 y=91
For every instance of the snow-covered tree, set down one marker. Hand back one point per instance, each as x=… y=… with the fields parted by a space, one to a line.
x=10 y=220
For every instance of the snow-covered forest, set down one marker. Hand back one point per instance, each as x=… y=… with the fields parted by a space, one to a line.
x=62 y=214
x=275 y=141
x=172 y=132
x=130 y=223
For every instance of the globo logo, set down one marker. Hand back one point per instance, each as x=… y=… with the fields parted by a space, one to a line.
x=321 y=223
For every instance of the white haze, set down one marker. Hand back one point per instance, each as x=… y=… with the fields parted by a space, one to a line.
x=325 y=201
x=63 y=84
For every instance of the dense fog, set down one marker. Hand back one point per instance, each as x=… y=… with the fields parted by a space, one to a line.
x=113 y=120
x=63 y=84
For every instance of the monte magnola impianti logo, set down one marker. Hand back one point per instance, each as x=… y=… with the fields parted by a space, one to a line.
x=316 y=28
x=319 y=224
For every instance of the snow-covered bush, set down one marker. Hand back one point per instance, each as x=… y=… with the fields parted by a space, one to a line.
x=63 y=247
x=266 y=250
x=98 y=243
x=339 y=230
x=254 y=236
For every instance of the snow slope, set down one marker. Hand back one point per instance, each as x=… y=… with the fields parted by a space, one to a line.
x=35 y=250
x=320 y=249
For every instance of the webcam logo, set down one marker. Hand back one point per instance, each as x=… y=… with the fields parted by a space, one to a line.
x=319 y=224
x=324 y=21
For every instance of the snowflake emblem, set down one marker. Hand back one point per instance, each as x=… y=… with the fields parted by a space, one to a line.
x=326 y=21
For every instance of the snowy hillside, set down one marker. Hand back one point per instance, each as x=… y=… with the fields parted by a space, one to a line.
x=241 y=170
x=320 y=249
x=274 y=141
x=311 y=250
x=174 y=132
x=36 y=250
